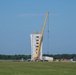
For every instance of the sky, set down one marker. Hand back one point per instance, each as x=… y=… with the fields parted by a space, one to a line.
x=20 y=18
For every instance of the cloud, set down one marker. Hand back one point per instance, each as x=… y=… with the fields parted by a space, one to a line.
x=54 y=14
x=29 y=15
x=35 y=14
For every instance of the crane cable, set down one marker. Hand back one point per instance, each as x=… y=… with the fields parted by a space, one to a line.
x=48 y=35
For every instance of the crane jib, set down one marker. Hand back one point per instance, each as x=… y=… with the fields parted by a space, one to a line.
x=41 y=38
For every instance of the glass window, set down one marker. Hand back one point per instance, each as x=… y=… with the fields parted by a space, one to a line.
x=37 y=36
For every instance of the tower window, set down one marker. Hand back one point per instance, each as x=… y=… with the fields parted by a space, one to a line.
x=36 y=46
x=37 y=40
x=37 y=36
x=37 y=43
x=36 y=49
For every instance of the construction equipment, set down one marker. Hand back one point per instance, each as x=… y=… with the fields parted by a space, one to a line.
x=41 y=38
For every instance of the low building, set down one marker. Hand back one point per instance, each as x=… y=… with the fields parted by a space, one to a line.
x=46 y=58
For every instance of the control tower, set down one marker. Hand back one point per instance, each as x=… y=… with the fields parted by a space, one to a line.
x=35 y=39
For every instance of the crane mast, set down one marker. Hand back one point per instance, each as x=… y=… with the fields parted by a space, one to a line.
x=41 y=38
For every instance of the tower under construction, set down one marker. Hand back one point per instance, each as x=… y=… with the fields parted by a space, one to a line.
x=35 y=39
x=36 y=43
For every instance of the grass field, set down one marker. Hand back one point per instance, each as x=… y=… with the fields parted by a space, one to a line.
x=37 y=68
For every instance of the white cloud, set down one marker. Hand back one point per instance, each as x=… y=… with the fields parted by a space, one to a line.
x=29 y=15
x=35 y=14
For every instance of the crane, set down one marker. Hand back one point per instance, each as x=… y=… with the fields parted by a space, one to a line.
x=41 y=38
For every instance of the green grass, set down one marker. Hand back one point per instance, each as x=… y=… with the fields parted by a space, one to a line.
x=37 y=68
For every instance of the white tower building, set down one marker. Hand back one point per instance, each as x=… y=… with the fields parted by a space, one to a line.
x=35 y=39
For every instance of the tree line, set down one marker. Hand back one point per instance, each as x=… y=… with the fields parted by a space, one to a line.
x=26 y=57
x=14 y=57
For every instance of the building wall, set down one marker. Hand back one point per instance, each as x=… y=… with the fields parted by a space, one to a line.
x=35 y=38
